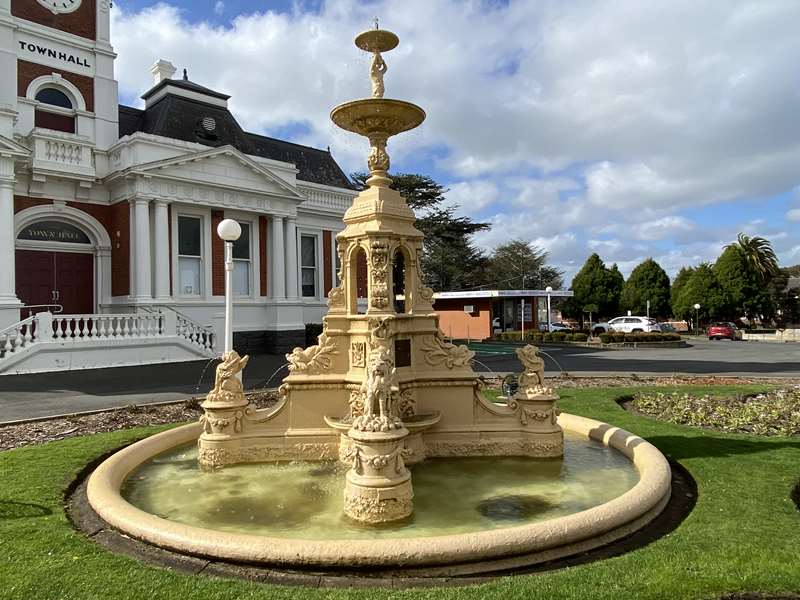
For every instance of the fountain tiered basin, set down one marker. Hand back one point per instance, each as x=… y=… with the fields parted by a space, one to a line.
x=471 y=515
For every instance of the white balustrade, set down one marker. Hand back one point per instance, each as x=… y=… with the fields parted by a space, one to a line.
x=17 y=337
x=73 y=332
x=326 y=199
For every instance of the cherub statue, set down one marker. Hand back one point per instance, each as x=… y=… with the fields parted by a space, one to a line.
x=227 y=386
x=376 y=73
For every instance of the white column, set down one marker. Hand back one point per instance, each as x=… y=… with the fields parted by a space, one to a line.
x=276 y=246
x=162 y=250
x=141 y=215
x=8 y=293
x=291 y=258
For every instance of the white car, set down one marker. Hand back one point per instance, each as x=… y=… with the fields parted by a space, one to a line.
x=628 y=325
x=556 y=327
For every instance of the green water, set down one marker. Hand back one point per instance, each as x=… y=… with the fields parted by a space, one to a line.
x=451 y=495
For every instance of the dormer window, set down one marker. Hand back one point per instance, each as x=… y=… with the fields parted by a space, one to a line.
x=55 y=110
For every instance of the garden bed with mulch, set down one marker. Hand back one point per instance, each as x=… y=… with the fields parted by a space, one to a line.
x=774 y=412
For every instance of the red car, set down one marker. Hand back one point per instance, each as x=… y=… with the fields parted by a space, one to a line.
x=724 y=331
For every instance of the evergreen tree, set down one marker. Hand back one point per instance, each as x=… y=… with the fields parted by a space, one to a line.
x=648 y=281
x=597 y=286
x=450 y=260
x=702 y=288
x=677 y=286
x=519 y=260
x=747 y=292
x=616 y=284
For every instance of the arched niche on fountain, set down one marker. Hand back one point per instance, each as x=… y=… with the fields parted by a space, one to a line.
x=403 y=276
x=358 y=281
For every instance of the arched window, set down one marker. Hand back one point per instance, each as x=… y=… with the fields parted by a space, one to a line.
x=399 y=282
x=54 y=97
x=55 y=110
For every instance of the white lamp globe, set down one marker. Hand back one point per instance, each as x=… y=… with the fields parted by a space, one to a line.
x=548 y=289
x=697 y=307
x=229 y=230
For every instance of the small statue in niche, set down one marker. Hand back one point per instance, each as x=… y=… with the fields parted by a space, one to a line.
x=227 y=386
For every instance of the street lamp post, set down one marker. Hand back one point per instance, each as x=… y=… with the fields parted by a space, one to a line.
x=697 y=319
x=548 y=289
x=522 y=335
x=229 y=231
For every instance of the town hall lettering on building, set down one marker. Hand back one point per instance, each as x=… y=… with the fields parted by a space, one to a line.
x=57 y=54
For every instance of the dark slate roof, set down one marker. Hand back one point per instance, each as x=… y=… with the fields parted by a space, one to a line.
x=181 y=118
x=186 y=85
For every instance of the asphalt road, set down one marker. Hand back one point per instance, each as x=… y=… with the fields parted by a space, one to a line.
x=47 y=394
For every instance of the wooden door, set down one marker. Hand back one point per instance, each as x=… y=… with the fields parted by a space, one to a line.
x=66 y=278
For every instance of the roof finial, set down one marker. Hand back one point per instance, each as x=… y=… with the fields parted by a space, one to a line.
x=376 y=23
x=185 y=75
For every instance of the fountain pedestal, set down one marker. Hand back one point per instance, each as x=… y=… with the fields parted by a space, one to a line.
x=378 y=484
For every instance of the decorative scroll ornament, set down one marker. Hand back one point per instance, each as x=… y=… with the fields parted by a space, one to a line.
x=376 y=392
x=314 y=358
x=227 y=386
x=336 y=297
x=437 y=351
x=406 y=403
x=358 y=354
x=357 y=459
x=379 y=286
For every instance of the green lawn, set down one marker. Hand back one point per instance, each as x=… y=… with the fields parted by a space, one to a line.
x=743 y=535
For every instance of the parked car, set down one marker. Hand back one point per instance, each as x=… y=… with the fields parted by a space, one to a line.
x=556 y=327
x=667 y=328
x=628 y=325
x=724 y=330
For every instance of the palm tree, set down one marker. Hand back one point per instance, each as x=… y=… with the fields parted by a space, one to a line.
x=758 y=254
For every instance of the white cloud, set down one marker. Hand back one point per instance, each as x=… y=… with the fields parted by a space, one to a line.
x=561 y=122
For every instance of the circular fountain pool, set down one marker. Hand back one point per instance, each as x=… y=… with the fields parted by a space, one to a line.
x=451 y=495
x=471 y=515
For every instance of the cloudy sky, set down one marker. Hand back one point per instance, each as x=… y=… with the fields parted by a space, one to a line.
x=628 y=128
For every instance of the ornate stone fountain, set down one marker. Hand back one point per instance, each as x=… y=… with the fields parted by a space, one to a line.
x=382 y=388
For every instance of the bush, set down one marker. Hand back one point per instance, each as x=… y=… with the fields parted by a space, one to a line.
x=606 y=338
x=548 y=337
x=775 y=412
x=569 y=337
x=537 y=338
x=313 y=330
x=559 y=336
x=581 y=337
x=617 y=338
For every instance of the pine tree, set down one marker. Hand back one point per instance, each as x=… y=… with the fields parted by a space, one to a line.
x=450 y=259
x=516 y=261
x=702 y=288
x=677 y=286
x=595 y=286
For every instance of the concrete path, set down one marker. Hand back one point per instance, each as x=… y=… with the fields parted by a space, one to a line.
x=48 y=394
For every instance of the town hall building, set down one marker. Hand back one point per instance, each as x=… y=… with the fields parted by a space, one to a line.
x=110 y=210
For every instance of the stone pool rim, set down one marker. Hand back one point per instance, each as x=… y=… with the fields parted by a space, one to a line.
x=533 y=543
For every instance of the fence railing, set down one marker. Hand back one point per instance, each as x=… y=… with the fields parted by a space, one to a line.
x=47 y=327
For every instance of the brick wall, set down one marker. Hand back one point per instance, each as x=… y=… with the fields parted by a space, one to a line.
x=28 y=71
x=23 y=202
x=262 y=253
x=120 y=249
x=82 y=22
x=217 y=256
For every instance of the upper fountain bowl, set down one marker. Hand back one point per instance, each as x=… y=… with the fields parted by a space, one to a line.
x=377 y=116
x=377 y=40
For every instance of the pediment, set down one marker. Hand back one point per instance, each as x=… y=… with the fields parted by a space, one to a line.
x=224 y=166
x=9 y=147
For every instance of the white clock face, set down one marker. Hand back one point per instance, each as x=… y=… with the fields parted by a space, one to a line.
x=61 y=6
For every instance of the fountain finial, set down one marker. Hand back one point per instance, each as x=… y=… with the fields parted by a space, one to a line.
x=377 y=118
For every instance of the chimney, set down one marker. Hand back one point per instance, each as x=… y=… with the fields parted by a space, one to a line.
x=162 y=70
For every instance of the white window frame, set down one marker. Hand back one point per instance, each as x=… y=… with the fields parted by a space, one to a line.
x=319 y=268
x=255 y=265
x=182 y=210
